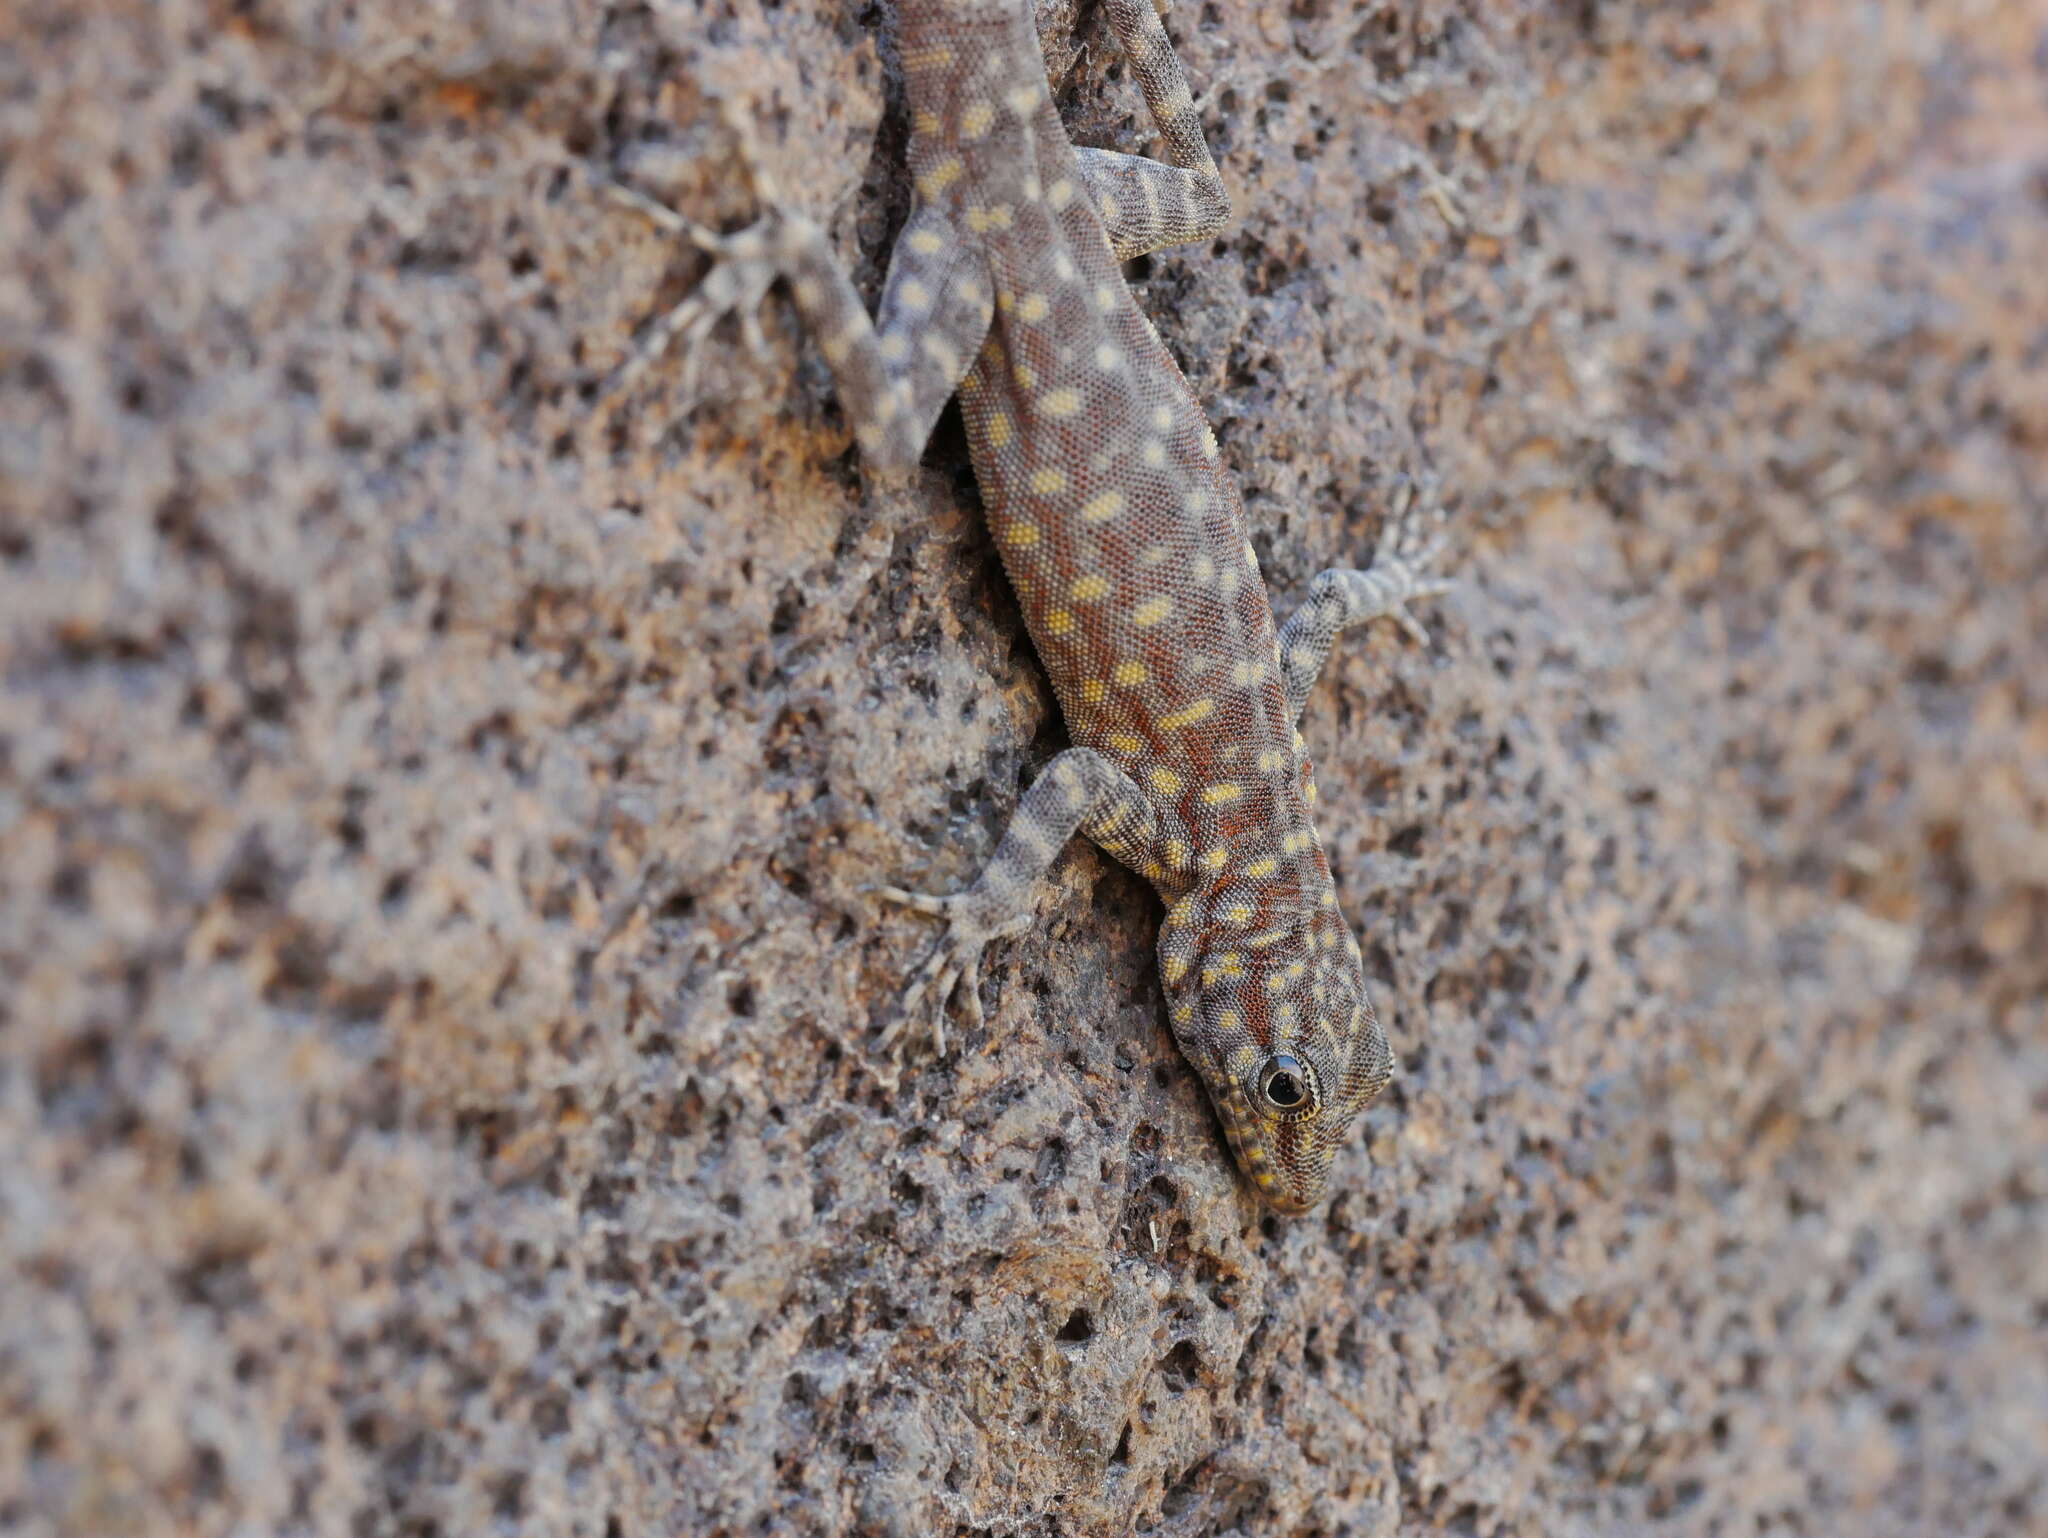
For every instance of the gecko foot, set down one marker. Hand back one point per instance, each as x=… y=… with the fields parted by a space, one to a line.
x=953 y=963
x=745 y=265
x=1409 y=545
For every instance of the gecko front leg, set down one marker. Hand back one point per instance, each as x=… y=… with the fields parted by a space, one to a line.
x=1080 y=791
x=1342 y=599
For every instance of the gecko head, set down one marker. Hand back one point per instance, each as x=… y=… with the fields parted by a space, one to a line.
x=1289 y=1050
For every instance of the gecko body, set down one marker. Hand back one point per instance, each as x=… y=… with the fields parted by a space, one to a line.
x=1123 y=535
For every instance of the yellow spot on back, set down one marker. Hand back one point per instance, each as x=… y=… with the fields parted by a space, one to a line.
x=1025 y=375
x=1173 y=968
x=982 y=220
x=1021 y=534
x=926 y=242
x=1107 y=357
x=1089 y=588
x=1022 y=100
x=1151 y=612
x=1102 y=508
x=1272 y=759
x=1164 y=780
x=1221 y=792
x=895 y=345
x=975 y=120
x=1203 y=569
x=1060 y=193
x=997 y=430
x=940 y=351
x=1177 y=852
x=1265 y=865
x=1032 y=307
x=1128 y=673
x=1048 y=481
x=1155 y=453
x=1153 y=555
x=1239 y=913
x=924 y=121
x=1124 y=742
x=1105 y=298
x=1182 y=912
x=1188 y=715
x=1058 y=622
x=1162 y=417
x=1063 y=402
x=1092 y=691
x=940 y=177
x=1217 y=858
x=938 y=57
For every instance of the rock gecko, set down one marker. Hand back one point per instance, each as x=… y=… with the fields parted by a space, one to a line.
x=1125 y=541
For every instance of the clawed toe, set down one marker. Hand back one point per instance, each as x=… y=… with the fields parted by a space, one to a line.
x=933 y=969
x=921 y=902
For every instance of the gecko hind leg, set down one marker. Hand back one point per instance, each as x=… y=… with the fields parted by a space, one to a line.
x=743 y=270
x=894 y=371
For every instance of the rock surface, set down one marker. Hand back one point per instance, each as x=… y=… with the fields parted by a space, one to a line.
x=436 y=1094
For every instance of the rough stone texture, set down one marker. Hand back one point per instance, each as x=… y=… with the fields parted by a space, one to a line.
x=434 y=1086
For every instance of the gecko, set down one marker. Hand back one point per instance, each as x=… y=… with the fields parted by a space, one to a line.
x=1123 y=537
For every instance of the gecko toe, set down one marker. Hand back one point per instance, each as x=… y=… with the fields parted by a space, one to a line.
x=918 y=902
x=970 y=993
x=1416 y=631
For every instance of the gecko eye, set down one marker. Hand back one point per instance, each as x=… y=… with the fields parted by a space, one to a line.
x=1287 y=1084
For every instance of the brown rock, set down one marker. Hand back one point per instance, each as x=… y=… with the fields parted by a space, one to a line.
x=435 y=1087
